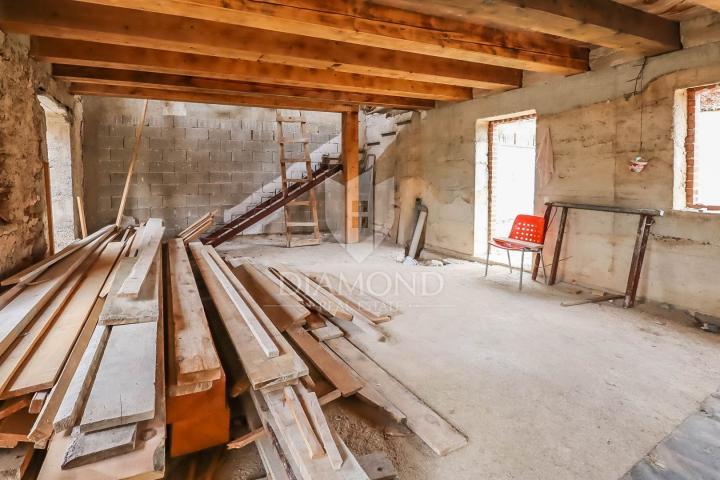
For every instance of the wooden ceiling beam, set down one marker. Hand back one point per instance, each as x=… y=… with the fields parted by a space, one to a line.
x=67 y=19
x=92 y=54
x=210 y=98
x=709 y=4
x=128 y=78
x=364 y=23
x=604 y=23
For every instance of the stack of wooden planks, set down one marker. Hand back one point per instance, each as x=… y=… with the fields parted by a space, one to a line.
x=289 y=427
x=78 y=377
x=200 y=226
x=197 y=410
x=324 y=294
x=285 y=419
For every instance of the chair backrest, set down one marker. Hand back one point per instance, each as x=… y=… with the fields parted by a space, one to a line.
x=528 y=228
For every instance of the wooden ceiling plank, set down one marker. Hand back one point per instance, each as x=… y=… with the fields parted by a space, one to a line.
x=128 y=78
x=162 y=61
x=216 y=99
x=95 y=23
x=709 y=4
x=364 y=23
x=603 y=23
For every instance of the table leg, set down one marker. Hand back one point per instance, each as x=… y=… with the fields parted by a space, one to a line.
x=536 y=265
x=558 y=246
x=646 y=223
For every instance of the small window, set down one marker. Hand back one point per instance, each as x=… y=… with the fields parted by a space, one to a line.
x=702 y=148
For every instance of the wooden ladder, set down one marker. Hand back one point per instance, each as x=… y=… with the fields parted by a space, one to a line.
x=311 y=202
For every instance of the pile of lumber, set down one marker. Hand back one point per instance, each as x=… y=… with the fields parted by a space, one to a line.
x=82 y=367
x=272 y=312
x=197 y=412
x=290 y=429
x=193 y=231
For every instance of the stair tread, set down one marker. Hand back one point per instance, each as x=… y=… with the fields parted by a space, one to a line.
x=298 y=203
x=305 y=242
x=300 y=224
x=298 y=140
x=291 y=119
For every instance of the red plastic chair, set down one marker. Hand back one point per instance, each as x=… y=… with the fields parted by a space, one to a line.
x=527 y=235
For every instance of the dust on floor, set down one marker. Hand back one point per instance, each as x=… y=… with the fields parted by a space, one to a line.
x=542 y=391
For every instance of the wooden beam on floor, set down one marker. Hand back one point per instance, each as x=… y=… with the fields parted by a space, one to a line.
x=67 y=19
x=604 y=23
x=92 y=54
x=184 y=83
x=364 y=23
x=351 y=175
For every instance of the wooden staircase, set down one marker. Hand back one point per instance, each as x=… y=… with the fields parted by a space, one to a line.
x=272 y=204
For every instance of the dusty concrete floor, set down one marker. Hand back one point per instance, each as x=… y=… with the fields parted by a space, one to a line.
x=541 y=391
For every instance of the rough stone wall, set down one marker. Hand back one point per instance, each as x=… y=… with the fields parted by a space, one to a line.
x=594 y=120
x=193 y=159
x=23 y=225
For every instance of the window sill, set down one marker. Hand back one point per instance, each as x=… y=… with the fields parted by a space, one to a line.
x=699 y=211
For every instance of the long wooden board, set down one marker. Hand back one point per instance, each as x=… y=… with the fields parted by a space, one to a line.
x=41 y=370
x=92 y=447
x=123 y=310
x=133 y=283
x=437 y=433
x=281 y=419
x=23 y=308
x=229 y=283
x=375 y=309
x=124 y=388
x=13 y=359
x=261 y=371
x=194 y=356
x=34 y=270
x=146 y=462
x=14 y=461
x=76 y=391
x=314 y=292
x=336 y=372
x=283 y=308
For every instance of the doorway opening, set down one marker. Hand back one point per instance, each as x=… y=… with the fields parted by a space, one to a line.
x=58 y=175
x=505 y=180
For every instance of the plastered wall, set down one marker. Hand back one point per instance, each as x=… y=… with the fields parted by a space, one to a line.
x=193 y=159
x=23 y=150
x=594 y=120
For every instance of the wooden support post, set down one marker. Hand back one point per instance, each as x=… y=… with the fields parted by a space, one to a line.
x=536 y=264
x=81 y=215
x=133 y=161
x=558 y=246
x=646 y=222
x=48 y=209
x=351 y=175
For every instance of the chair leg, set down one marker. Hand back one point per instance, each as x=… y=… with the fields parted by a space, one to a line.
x=509 y=262
x=522 y=266
x=487 y=260
x=542 y=260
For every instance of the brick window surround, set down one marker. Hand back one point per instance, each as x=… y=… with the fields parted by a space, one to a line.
x=692 y=172
x=492 y=158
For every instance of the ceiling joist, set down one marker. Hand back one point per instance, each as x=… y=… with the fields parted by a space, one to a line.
x=72 y=20
x=162 y=81
x=162 y=61
x=603 y=23
x=214 y=98
x=363 y=23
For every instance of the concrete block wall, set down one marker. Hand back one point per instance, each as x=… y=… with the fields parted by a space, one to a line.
x=594 y=122
x=193 y=159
